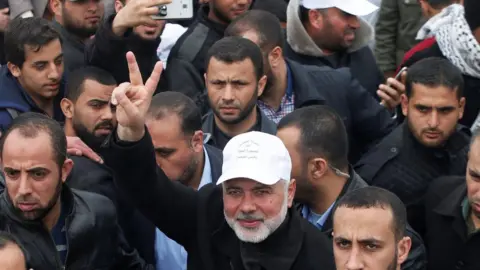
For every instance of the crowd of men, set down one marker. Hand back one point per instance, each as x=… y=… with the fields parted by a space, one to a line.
x=271 y=136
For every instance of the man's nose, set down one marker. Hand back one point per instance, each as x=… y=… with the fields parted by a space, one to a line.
x=24 y=187
x=433 y=121
x=354 y=260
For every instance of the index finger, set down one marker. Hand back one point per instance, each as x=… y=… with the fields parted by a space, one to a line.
x=134 y=70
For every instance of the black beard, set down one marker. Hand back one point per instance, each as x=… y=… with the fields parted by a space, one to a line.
x=81 y=32
x=219 y=15
x=243 y=114
x=41 y=213
x=88 y=137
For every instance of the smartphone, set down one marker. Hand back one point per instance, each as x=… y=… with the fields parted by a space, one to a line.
x=399 y=74
x=177 y=10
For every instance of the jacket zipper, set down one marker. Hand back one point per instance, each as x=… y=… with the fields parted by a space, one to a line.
x=67 y=225
x=57 y=257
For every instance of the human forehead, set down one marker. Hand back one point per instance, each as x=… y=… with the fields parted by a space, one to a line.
x=435 y=94
x=357 y=224
x=94 y=90
x=248 y=184
x=167 y=128
x=47 y=52
x=27 y=150
x=218 y=69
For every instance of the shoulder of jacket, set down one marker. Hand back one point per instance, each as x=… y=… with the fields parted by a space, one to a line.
x=191 y=42
x=95 y=203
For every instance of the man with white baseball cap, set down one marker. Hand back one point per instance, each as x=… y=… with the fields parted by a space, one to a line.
x=252 y=227
x=331 y=33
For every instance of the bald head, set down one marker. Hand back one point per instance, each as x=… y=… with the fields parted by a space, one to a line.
x=11 y=255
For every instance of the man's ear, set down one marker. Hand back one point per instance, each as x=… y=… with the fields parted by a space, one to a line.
x=403 y=248
x=275 y=57
x=67 y=108
x=292 y=187
x=197 y=141
x=404 y=103
x=261 y=85
x=462 y=108
x=317 y=168
x=66 y=169
x=14 y=69
x=118 y=6
x=56 y=7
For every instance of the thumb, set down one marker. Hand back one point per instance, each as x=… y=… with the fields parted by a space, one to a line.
x=403 y=77
x=5 y=10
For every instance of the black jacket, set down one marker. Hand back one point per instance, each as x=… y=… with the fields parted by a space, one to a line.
x=208 y=127
x=417 y=258
x=196 y=219
x=94 y=177
x=186 y=61
x=366 y=121
x=361 y=63
x=471 y=90
x=402 y=165
x=73 y=49
x=449 y=246
x=107 y=51
x=91 y=218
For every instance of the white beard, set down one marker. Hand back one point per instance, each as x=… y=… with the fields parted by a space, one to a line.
x=266 y=228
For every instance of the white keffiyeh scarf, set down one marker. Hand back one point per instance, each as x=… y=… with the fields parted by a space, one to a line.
x=455 y=39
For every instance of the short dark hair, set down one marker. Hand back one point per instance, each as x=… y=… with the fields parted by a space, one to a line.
x=438 y=4
x=30 y=124
x=236 y=49
x=375 y=197
x=322 y=133
x=77 y=78
x=276 y=7
x=21 y=32
x=263 y=23
x=165 y=103
x=8 y=239
x=434 y=72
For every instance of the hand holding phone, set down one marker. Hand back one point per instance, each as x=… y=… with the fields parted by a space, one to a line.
x=392 y=90
x=136 y=13
x=177 y=10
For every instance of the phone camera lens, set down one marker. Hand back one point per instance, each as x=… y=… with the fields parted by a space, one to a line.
x=162 y=10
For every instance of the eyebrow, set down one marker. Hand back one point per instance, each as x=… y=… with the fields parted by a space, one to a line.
x=164 y=149
x=474 y=172
x=34 y=169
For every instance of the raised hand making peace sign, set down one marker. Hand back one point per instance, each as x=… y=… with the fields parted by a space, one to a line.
x=133 y=99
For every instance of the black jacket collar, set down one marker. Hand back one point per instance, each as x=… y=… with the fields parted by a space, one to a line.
x=267 y=126
x=451 y=208
x=353 y=183
x=305 y=90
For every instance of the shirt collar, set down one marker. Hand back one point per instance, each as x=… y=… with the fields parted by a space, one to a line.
x=307 y=213
x=207 y=171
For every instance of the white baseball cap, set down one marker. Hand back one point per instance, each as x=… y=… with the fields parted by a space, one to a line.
x=257 y=156
x=354 y=7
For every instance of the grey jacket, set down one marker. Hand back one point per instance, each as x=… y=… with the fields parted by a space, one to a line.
x=397 y=26
x=18 y=7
